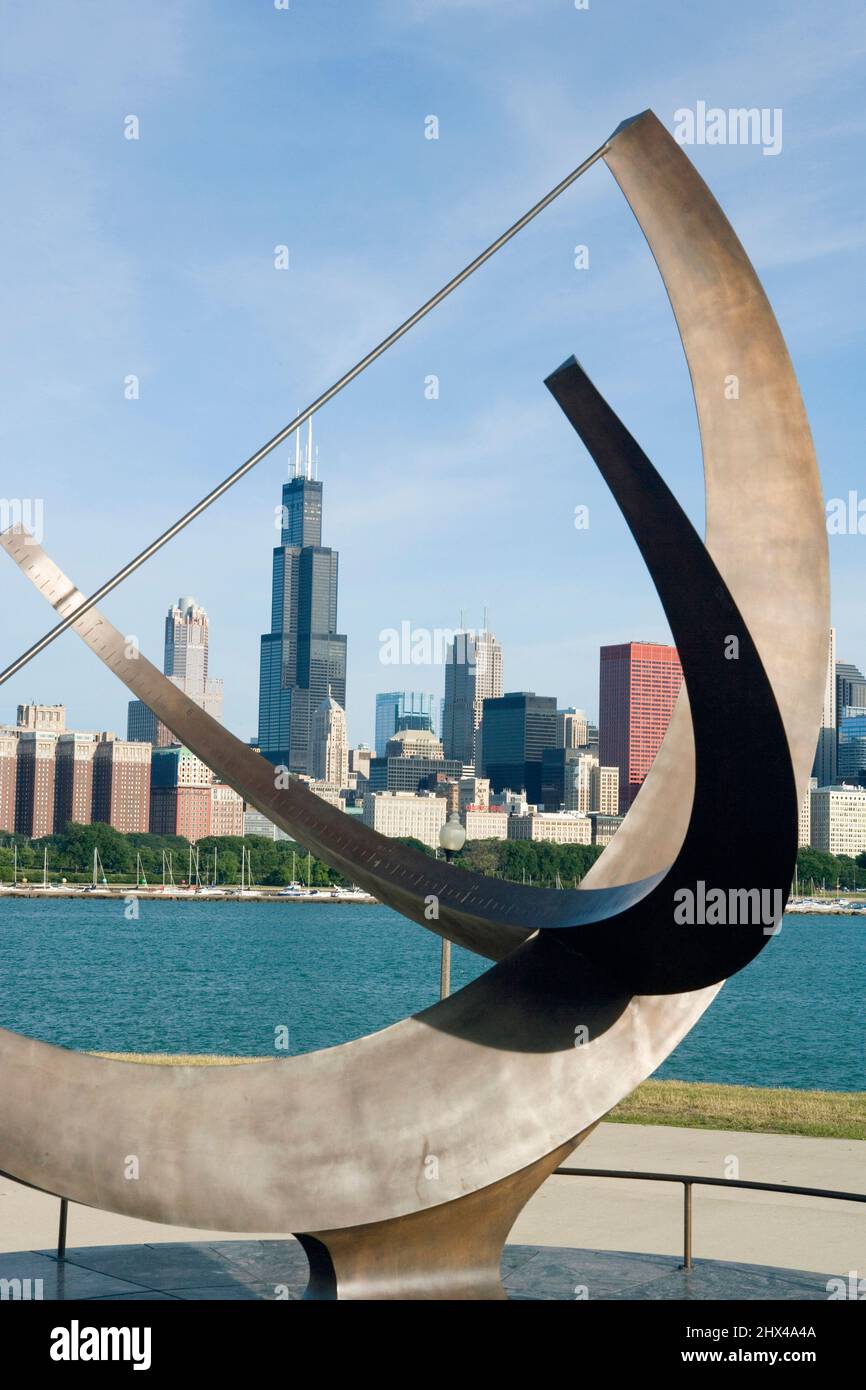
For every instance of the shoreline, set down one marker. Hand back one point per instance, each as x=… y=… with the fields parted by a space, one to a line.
x=121 y=892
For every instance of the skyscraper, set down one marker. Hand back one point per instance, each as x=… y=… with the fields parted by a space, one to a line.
x=185 y=662
x=824 y=766
x=330 y=750
x=515 y=730
x=8 y=775
x=572 y=728
x=392 y=706
x=187 y=635
x=48 y=718
x=412 y=757
x=638 y=686
x=34 y=783
x=180 y=794
x=851 y=751
x=121 y=784
x=473 y=674
x=850 y=687
x=303 y=655
x=73 y=779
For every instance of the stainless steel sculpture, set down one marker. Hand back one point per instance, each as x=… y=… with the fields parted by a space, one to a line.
x=337 y=1146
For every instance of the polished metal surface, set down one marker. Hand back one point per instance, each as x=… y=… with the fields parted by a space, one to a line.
x=402 y=1126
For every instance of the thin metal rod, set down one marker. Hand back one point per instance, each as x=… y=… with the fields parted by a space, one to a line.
x=61 y=1230
x=300 y=419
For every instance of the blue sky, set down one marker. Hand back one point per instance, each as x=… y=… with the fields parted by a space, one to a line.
x=305 y=127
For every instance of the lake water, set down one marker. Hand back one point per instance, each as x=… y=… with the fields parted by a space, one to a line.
x=221 y=977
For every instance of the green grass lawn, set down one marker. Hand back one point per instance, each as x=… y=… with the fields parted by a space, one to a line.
x=687 y=1104
x=701 y=1105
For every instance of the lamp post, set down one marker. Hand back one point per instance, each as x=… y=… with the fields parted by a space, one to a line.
x=452 y=838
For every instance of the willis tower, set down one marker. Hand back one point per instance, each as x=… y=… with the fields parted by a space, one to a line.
x=303 y=656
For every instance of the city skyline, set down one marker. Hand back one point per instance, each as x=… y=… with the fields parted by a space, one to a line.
x=224 y=346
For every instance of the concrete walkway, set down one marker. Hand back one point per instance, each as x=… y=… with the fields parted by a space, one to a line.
x=755 y=1228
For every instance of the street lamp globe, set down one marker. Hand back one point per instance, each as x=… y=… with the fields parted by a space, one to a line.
x=452 y=836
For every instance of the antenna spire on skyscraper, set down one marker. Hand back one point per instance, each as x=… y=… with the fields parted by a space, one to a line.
x=310 y=449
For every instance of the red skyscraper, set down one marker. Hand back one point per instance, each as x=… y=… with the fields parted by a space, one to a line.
x=638 y=686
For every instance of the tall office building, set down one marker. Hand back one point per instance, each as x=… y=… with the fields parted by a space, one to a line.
x=402 y=813
x=181 y=801
x=303 y=655
x=571 y=780
x=394 y=706
x=824 y=766
x=572 y=728
x=8 y=776
x=412 y=761
x=839 y=820
x=185 y=662
x=49 y=718
x=73 y=779
x=604 y=790
x=851 y=748
x=850 y=688
x=34 y=783
x=187 y=636
x=638 y=686
x=804 y=819
x=227 y=810
x=850 y=702
x=515 y=730
x=121 y=784
x=563 y=778
x=473 y=674
x=330 y=753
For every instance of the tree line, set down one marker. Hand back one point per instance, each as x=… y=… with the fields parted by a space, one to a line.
x=540 y=862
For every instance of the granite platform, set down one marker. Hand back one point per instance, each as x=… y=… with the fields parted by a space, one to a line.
x=277 y=1270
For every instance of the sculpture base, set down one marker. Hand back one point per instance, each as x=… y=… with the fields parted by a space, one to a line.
x=452 y=1251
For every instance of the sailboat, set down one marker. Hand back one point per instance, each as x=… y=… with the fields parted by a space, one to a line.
x=166 y=863
x=209 y=888
x=246 y=872
x=98 y=871
x=140 y=875
x=294 y=889
x=44 y=884
x=186 y=888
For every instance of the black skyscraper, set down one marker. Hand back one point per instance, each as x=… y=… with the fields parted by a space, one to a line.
x=303 y=655
x=515 y=730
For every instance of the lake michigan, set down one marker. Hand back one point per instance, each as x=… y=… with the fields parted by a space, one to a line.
x=224 y=977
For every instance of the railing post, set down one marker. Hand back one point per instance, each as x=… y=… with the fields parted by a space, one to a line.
x=445 y=969
x=687 y=1225
x=61 y=1230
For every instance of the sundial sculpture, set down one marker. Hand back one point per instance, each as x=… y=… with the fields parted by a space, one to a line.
x=335 y=1146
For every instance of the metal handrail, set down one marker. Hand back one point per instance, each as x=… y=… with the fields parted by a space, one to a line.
x=690 y=1180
